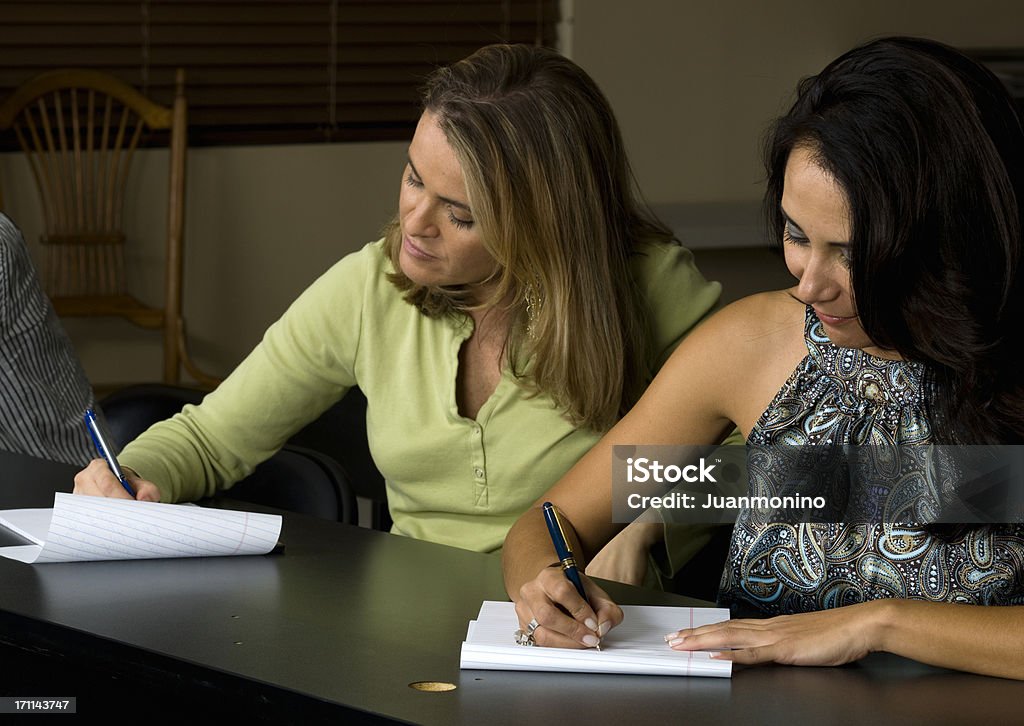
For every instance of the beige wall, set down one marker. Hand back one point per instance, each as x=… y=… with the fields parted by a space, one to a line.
x=261 y=224
x=693 y=83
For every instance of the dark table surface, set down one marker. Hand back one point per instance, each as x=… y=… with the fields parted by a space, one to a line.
x=342 y=623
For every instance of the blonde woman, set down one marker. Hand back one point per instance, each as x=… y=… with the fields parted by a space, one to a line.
x=517 y=306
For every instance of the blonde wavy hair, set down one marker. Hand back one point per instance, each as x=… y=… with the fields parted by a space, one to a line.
x=555 y=202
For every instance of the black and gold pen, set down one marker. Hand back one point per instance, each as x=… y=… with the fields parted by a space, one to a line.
x=564 y=552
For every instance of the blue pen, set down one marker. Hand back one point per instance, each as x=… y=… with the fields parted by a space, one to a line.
x=563 y=550
x=104 y=450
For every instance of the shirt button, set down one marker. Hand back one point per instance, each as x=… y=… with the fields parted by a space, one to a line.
x=479 y=472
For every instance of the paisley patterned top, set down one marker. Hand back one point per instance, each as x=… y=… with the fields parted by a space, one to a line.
x=846 y=396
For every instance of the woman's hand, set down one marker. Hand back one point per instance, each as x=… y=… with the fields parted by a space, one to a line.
x=827 y=637
x=97 y=480
x=625 y=558
x=565 y=620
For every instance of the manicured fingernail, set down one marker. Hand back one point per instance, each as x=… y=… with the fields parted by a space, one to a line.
x=671 y=636
x=604 y=628
x=589 y=622
x=590 y=641
x=674 y=643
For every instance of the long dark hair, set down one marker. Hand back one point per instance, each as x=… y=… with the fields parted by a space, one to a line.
x=929 y=150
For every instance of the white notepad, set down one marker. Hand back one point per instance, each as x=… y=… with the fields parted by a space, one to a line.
x=636 y=646
x=80 y=528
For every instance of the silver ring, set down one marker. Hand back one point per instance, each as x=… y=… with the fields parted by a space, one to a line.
x=524 y=638
x=533 y=625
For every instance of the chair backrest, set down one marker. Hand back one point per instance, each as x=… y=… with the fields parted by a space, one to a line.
x=340 y=432
x=80 y=130
x=296 y=479
x=130 y=411
x=300 y=480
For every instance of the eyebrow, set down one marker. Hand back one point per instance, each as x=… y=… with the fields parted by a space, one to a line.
x=446 y=200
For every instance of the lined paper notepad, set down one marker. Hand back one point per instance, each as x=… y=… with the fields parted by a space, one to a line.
x=636 y=646
x=80 y=528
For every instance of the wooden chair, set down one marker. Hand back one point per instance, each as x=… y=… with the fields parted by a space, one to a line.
x=79 y=130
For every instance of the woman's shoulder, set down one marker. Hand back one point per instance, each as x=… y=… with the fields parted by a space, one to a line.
x=356 y=280
x=365 y=270
x=751 y=329
x=371 y=258
x=675 y=293
x=745 y=352
x=765 y=318
x=657 y=265
x=730 y=367
x=760 y=336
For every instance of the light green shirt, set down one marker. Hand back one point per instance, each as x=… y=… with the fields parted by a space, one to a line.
x=450 y=479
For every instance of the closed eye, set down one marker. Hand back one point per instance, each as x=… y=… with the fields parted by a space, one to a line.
x=792 y=233
x=795 y=236
x=458 y=222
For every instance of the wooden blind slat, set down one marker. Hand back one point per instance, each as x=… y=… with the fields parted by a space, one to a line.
x=301 y=114
x=219 y=13
x=83 y=56
x=45 y=13
x=269 y=96
x=266 y=66
x=60 y=35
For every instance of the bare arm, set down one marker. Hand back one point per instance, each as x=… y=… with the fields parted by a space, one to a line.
x=625 y=557
x=541 y=592
x=728 y=371
x=979 y=639
x=694 y=399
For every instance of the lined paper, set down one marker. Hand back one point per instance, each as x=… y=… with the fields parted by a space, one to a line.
x=83 y=528
x=636 y=646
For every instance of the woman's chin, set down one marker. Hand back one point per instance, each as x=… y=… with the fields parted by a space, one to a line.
x=414 y=270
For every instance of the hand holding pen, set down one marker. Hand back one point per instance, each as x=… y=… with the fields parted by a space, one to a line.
x=104 y=450
x=562 y=607
x=105 y=477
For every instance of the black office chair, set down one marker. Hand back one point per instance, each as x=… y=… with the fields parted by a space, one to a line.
x=296 y=479
x=131 y=410
x=340 y=432
x=301 y=480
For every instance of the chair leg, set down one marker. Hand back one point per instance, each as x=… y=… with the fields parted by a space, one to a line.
x=204 y=379
x=172 y=359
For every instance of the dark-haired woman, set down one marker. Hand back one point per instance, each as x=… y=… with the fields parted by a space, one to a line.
x=895 y=184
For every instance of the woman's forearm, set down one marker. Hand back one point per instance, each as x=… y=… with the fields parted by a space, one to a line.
x=987 y=640
x=527 y=551
x=979 y=639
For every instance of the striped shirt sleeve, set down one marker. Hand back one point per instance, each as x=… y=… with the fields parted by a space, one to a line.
x=43 y=389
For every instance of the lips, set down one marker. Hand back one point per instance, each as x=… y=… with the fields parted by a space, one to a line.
x=833 y=319
x=416 y=251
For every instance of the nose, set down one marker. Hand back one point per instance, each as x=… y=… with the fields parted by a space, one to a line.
x=419 y=218
x=818 y=278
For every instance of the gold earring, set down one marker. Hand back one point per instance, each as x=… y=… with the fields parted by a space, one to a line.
x=532 y=310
